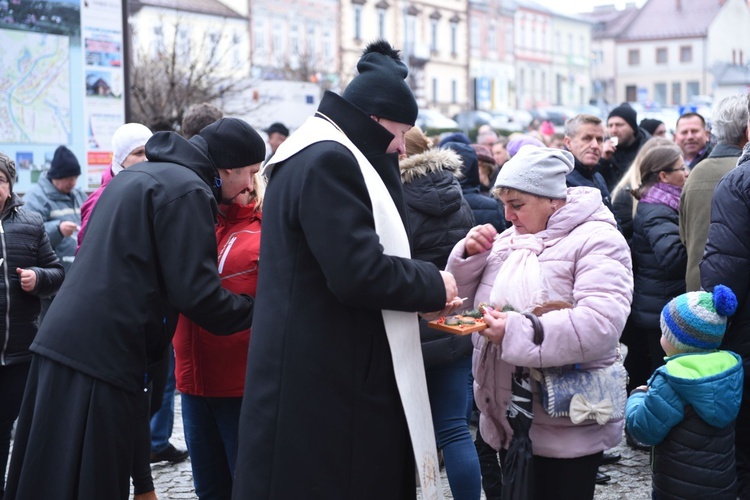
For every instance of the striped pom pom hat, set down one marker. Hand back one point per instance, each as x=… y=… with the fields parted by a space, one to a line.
x=696 y=321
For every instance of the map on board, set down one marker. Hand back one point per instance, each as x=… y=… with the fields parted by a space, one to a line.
x=34 y=88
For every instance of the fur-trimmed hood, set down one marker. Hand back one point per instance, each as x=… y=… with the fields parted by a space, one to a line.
x=432 y=160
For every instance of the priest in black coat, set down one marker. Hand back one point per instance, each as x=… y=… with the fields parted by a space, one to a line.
x=321 y=416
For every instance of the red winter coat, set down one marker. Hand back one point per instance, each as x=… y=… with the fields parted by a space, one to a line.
x=209 y=365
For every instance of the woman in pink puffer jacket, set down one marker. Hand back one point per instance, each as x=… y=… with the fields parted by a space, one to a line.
x=572 y=239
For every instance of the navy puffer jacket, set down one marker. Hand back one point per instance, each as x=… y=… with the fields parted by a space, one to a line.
x=659 y=260
x=486 y=210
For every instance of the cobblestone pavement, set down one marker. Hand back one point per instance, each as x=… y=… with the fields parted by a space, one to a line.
x=631 y=479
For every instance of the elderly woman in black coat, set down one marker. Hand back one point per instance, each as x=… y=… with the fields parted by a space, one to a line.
x=30 y=269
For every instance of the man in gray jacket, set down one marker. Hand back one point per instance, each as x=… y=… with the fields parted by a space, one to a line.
x=730 y=125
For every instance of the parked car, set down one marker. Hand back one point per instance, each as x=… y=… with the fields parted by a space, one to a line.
x=557 y=115
x=468 y=120
x=431 y=118
x=506 y=120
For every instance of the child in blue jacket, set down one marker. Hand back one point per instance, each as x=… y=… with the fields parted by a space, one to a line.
x=688 y=409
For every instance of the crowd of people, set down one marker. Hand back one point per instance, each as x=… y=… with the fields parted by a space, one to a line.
x=313 y=372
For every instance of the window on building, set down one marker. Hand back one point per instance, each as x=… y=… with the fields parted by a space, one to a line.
x=692 y=89
x=582 y=46
x=686 y=53
x=259 y=32
x=357 y=22
x=508 y=49
x=532 y=38
x=492 y=37
x=676 y=93
x=634 y=57
x=454 y=39
x=454 y=91
x=521 y=36
x=598 y=56
x=434 y=90
x=571 y=49
x=310 y=44
x=381 y=23
x=158 y=45
x=543 y=85
x=558 y=42
x=631 y=93
x=277 y=39
x=327 y=46
x=661 y=55
x=434 y=35
x=660 y=93
x=294 y=39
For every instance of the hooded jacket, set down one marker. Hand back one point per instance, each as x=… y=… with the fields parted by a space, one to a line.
x=586 y=262
x=209 y=365
x=486 y=210
x=151 y=254
x=55 y=207
x=24 y=244
x=439 y=216
x=688 y=413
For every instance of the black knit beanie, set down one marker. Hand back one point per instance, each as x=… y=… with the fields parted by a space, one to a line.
x=379 y=89
x=64 y=164
x=627 y=113
x=232 y=143
x=650 y=125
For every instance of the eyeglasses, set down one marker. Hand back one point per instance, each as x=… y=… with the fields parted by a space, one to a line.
x=681 y=169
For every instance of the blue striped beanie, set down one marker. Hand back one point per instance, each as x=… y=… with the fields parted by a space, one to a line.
x=696 y=321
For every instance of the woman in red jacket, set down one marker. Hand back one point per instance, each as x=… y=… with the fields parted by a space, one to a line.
x=210 y=369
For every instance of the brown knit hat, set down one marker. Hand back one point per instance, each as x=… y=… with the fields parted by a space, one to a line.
x=8 y=167
x=484 y=153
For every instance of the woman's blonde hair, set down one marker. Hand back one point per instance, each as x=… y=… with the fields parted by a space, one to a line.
x=632 y=178
x=259 y=189
x=416 y=141
x=656 y=160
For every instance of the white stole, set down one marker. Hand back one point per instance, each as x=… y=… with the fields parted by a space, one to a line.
x=402 y=328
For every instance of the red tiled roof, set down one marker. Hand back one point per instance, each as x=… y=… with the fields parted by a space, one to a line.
x=659 y=19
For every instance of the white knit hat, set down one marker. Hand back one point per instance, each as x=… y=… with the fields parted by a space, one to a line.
x=125 y=139
x=538 y=171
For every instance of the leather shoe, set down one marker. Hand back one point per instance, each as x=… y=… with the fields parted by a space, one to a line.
x=169 y=454
x=602 y=478
x=610 y=458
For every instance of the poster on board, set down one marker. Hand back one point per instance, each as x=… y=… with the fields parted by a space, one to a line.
x=62 y=84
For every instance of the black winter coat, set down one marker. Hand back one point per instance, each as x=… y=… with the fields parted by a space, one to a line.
x=659 y=262
x=726 y=260
x=24 y=244
x=439 y=217
x=584 y=176
x=613 y=169
x=321 y=416
x=149 y=254
x=486 y=210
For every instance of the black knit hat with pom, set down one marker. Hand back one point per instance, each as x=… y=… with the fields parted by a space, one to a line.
x=379 y=89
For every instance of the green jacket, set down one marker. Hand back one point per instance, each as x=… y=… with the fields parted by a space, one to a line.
x=695 y=206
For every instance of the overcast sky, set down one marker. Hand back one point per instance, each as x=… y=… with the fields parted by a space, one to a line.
x=575 y=6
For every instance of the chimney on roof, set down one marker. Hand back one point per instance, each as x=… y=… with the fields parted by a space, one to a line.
x=678 y=4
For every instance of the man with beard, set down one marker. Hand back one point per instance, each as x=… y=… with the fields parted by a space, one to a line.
x=625 y=140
